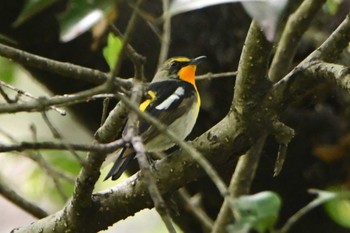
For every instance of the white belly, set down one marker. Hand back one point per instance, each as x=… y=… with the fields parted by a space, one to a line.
x=181 y=128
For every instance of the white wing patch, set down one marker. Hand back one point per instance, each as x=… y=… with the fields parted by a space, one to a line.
x=168 y=101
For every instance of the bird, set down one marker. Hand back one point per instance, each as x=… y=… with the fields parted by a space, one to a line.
x=172 y=98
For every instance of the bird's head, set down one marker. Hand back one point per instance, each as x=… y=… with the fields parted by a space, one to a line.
x=182 y=68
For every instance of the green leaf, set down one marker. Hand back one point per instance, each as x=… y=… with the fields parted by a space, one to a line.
x=112 y=50
x=259 y=212
x=7 y=70
x=339 y=208
x=31 y=8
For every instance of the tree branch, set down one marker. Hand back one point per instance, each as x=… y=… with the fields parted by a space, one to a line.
x=129 y=30
x=101 y=148
x=192 y=204
x=131 y=196
x=332 y=48
x=179 y=168
x=251 y=82
x=22 y=203
x=251 y=79
x=297 y=24
x=338 y=74
x=216 y=75
x=165 y=40
x=20 y=92
x=241 y=182
x=294 y=84
x=42 y=103
x=61 y=68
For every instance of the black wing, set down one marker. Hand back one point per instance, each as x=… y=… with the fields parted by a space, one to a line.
x=173 y=99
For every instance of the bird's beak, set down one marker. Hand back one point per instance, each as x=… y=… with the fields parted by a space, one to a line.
x=197 y=60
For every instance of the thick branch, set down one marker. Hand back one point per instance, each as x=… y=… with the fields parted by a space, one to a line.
x=251 y=83
x=332 y=48
x=251 y=79
x=338 y=74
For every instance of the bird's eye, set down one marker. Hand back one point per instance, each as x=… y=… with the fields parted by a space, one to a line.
x=174 y=64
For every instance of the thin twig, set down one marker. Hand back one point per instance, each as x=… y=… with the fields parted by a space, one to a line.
x=165 y=40
x=5 y=96
x=195 y=209
x=22 y=203
x=27 y=94
x=51 y=171
x=240 y=184
x=127 y=36
x=153 y=190
x=295 y=28
x=106 y=102
x=42 y=103
x=59 y=136
x=321 y=199
x=137 y=59
x=216 y=75
x=37 y=157
x=52 y=128
x=31 y=155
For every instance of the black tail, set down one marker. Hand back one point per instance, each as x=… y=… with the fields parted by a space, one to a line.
x=119 y=165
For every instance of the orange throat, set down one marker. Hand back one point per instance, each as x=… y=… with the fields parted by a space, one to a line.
x=187 y=74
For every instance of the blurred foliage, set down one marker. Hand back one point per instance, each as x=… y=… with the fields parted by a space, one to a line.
x=339 y=208
x=332 y=6
x=78 y=17
x=45 y=188
x=63 y=160
x=81 y=15
x=31 y=8
x=258 y=211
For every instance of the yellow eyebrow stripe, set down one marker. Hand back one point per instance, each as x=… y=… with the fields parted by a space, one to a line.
x=179 y=59
x=145 y=103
